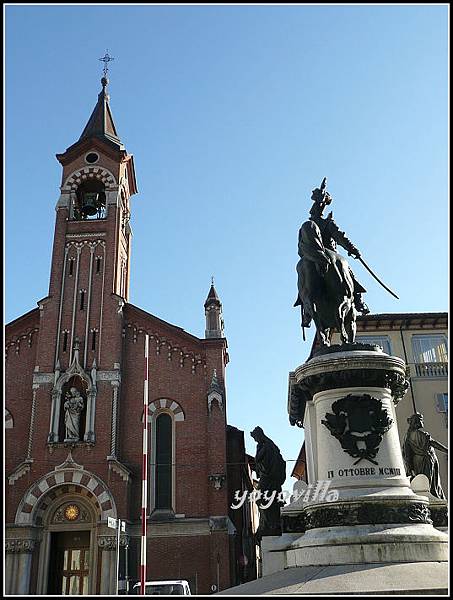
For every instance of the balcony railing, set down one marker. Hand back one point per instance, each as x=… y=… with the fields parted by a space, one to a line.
x=439 y=369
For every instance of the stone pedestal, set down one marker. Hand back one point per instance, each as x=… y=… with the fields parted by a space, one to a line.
x=273 y=552
x=345 y=399
x=438 y=508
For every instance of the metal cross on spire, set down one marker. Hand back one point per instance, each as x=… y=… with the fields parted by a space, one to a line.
x=106 y=59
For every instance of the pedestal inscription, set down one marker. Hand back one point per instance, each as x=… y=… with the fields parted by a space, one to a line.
x=345 y=401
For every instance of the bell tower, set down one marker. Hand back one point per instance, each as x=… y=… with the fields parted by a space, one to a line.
x=89 y=281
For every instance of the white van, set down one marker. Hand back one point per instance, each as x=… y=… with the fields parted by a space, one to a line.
x=177 y=587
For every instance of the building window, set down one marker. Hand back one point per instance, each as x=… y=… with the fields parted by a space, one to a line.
x=98 y=264
x=430 y=355
x=442 y=403
x=379 y=340
x=89 y=201
x=65 y=341
x=93 y=339
x=71 y=267
x=164 y=455
x=92 y=157
x=82 y=299
x=429 y=349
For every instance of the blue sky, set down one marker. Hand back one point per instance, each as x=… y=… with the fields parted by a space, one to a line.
x=233 y=115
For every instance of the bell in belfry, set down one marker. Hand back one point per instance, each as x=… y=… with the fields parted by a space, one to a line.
x=90 y=203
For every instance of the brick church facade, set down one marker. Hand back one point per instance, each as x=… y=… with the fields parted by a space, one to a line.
x=74 y=408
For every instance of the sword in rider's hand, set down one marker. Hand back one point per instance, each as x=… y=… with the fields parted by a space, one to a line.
x=376 y=277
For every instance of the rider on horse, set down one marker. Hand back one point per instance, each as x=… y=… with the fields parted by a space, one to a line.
x=318 y=239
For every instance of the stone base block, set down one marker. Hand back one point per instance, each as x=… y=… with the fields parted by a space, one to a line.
x=364 y=544
x=273 y=552
x=429 y=578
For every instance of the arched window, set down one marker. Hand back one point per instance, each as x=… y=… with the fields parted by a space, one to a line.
x=90 y=200
x=163 y=490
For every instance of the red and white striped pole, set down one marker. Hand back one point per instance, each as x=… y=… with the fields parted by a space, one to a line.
x=144 y=470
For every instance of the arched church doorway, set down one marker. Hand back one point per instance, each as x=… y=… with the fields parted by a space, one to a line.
x=70 y=563
x=68 y=554
x=73 y=549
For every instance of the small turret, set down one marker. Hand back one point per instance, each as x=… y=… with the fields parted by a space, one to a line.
x=213 y=313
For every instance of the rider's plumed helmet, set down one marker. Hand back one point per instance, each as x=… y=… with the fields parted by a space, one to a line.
x=320 y=195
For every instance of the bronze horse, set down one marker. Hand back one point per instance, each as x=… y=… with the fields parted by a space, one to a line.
x=326 y=287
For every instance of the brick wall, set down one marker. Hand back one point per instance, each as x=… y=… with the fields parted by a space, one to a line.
x=181 y=367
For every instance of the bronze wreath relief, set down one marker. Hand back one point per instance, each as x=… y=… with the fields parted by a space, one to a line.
x=359 y=423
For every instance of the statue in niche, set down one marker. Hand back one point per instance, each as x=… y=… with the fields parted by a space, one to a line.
x=271 y=471
x=419 y=456
x=73 y=408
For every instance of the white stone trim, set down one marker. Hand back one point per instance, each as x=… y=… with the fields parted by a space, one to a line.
x=59 y=477
x=108 y=376
x=64 y=200
x=103 y=497
x=95 y=172
x=19 y=472
x=88 y=308
x=28 y=508
x=74 y=302
x=43 y=378
x=215 y=397
x=170 y=405
x=86 y=235
x=92 y=484
x=60 y=309
x=101 y=308
x=43 y=486
x=120 y=469
x=9 y=421
x=77 y=477
x=32 y=499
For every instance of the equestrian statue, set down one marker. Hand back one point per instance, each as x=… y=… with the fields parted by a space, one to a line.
x=329 y=294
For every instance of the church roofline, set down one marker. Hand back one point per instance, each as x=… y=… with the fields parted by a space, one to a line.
x=100 y=126
x=132 y=184
x=80 y=146
x=33 y=311
x=212 y=297
x=177 y=330
x=101 y=123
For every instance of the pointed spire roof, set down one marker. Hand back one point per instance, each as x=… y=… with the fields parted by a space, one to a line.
x=215 y=385
x=212 y=298
x=101 y=124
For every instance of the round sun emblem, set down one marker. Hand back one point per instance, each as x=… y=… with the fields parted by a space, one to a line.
x=71 y=512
